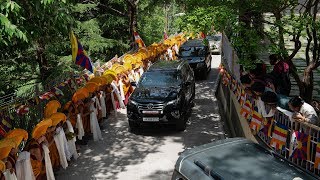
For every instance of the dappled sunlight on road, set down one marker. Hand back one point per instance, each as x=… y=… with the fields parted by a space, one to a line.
x=151 y=152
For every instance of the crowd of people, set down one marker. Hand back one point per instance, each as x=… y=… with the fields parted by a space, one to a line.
x=273 y=89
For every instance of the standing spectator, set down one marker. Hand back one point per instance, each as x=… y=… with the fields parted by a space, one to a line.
x=281 y=74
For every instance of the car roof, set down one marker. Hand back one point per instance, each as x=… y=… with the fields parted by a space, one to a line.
x=193 y=43
x=166 y=65
x=236 y=158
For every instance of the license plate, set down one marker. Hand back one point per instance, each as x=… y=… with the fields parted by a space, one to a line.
x=150 y=119
x=150 y=112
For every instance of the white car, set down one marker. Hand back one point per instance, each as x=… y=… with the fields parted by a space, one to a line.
x=215 y=43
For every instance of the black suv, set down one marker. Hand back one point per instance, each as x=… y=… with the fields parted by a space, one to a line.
x=164 y=95
x=197 y=52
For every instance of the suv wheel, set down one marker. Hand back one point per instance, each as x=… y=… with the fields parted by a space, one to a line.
x=133 y=126
x=203 y=75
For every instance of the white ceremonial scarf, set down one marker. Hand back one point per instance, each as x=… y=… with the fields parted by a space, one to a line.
x=8 y=175
x=79 y=126
x=116 y=91
x=141 y=71
x=61 y=148
x=103 y=104
x=47 y=160
x=94 y=125
x=121 y=90
x=65 y=143
x=136 y=76
x=72 y=142
x=23 y=167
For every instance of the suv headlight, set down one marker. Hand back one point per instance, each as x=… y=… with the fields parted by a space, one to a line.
x=131 y=102
x=174 y=102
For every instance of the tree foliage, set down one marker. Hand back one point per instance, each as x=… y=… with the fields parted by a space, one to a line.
x=35 y=46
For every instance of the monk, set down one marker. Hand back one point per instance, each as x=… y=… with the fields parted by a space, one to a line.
x=71 y=113
x=11 y=160
x=37 y=157
x=127 y=88
x=86 y=116
x=109 y=106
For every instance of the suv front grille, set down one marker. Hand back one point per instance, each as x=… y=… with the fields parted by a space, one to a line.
x=150 y=106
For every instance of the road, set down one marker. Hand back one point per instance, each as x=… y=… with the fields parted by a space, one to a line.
x=152 y=153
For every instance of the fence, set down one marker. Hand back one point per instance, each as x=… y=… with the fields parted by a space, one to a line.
x=34 y=106
x=292 y=140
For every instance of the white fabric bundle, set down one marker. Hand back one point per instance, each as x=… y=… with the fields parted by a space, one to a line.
x=79 y=126
x=116 y=91
x=94 y=125
x=121 y=90
x=103 y=104
x=23 y=166
x=72 y=142
x=8 y=175
x=49 y=170
x=58 y=139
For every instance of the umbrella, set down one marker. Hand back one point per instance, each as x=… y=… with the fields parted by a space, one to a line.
x=57 y=118
x=6 y=145
x=17 y=135
x=51 y=107
x=41 y=128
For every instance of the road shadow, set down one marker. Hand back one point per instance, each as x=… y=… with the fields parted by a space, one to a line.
x=106 y=158
x=122 y=151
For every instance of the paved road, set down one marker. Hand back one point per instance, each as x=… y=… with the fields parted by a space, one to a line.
x=152 y=153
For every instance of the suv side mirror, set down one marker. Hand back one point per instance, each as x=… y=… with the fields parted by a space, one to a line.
x=133 y=84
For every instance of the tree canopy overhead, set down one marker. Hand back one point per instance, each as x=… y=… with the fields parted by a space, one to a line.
x=35 y=46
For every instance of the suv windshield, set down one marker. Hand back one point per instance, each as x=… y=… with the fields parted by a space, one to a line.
x=160 y=79
x=193 y=51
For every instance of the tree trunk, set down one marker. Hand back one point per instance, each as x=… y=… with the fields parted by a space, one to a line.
x=132 y=13
x=42 y=62
x=278 y=17
x=307 y=89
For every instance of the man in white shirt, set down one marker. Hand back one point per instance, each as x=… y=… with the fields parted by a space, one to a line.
x=303 y=112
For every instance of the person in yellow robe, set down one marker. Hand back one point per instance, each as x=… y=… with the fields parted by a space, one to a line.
x=37 y=157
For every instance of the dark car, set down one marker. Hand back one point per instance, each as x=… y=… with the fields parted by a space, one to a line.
x=197 y=53
x=164 y=95
x=215 y=43
x=235 y=158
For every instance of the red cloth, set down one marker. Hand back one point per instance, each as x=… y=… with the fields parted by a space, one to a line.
x=281 y=67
